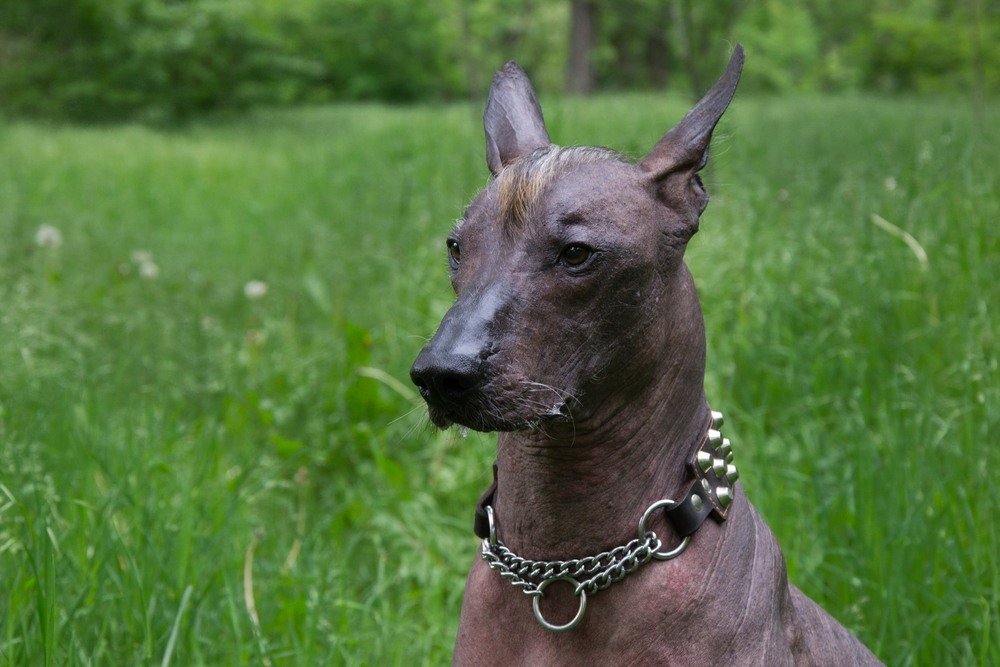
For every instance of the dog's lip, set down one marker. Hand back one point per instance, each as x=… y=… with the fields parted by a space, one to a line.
x=495 y=406
x=438 y=417
x=473 y=418
x=443 y=418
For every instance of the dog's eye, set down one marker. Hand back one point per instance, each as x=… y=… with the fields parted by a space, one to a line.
x=454 y=253
x=576 y=254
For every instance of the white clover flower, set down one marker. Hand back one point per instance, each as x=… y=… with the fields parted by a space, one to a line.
x=142 y=256
x=890 y=184
x=255 y=337
x=48 y=236
x=255 y=290
x=149 y=270
x=926 y=153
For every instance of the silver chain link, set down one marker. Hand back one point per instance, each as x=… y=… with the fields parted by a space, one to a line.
x=604 y=569
x=601 y=570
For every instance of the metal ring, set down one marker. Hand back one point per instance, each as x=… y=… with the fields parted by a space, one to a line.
x=493 y=526
x=662 y=555
x=579 y=612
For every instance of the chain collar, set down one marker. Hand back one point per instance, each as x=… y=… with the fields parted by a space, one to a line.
x=710 y=493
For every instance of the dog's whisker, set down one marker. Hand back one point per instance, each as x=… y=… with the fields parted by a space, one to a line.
x=415 y=408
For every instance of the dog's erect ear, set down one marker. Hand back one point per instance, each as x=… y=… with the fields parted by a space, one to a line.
x=513 y=119
x=685 y=147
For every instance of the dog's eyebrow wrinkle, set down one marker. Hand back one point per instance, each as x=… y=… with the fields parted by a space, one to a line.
x=571 y=219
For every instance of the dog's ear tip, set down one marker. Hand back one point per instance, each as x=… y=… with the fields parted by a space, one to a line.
x=738 y=57
x=510 y=70
x=686 y=145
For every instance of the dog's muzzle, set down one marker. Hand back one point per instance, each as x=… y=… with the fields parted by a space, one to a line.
x=453 y=367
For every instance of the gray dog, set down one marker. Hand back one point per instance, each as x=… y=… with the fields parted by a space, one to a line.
x=577 y=335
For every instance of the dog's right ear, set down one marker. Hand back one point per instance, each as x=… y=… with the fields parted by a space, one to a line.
x=513 y=120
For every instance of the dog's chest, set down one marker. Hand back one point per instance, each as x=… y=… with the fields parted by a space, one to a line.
x=651 y=618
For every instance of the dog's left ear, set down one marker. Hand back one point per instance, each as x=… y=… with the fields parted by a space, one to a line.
x=683 y=151
x=513 y=120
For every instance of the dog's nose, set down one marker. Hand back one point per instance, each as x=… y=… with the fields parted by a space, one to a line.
x=445 y=377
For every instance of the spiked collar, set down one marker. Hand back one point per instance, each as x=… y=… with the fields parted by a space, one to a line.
x=710 y=492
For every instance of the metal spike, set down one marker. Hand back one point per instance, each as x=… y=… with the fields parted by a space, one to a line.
x=725 y=495
x=726 y=447
x=704 y=460
x=732 y=474
x=696 y=501
x=717 y=420
x=714 y=437
x=730 y=457
x=719 y=467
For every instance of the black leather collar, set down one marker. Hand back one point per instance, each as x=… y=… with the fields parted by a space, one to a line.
x=710 y=492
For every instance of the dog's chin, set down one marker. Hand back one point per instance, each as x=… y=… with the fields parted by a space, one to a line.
x=476 y=420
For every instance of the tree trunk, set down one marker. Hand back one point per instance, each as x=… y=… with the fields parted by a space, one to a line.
x=689 y=46
x=579 y=70
x=976 y=21
x=659 y=57
x=623 y=74
x=473 y=79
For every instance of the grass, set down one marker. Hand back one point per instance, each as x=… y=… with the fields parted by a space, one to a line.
x=173 y=453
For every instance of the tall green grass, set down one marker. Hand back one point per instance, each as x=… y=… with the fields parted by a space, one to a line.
x=174 y=453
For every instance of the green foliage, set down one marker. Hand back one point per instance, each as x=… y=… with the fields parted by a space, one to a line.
x=170 y=60
x=927 y=46
x=632 y=45
x=393 y=50
x=90 y=59
x=162 y=432
x=403 y=51
x=931 y=53
x=532 y=32
x=783 y=44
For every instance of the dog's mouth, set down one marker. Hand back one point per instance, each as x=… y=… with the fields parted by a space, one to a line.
x=485 y=394
x=485 y=411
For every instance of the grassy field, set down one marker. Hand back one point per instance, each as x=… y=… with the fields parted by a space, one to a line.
x=195 y=473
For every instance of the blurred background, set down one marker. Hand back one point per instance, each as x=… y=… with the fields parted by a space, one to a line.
x=222 y=230
x=173 y=59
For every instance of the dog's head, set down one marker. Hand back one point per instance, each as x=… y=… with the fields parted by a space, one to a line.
x=568 y=269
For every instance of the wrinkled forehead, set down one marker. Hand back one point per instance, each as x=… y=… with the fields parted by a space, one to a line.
x=519 y=186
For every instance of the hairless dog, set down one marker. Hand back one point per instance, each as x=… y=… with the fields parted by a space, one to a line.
x=577 y=335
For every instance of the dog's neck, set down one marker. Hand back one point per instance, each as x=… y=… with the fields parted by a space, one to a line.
x=573 y=492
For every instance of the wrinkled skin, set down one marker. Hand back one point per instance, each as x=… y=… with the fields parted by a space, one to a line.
x=543 y=319
x=577 y=335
